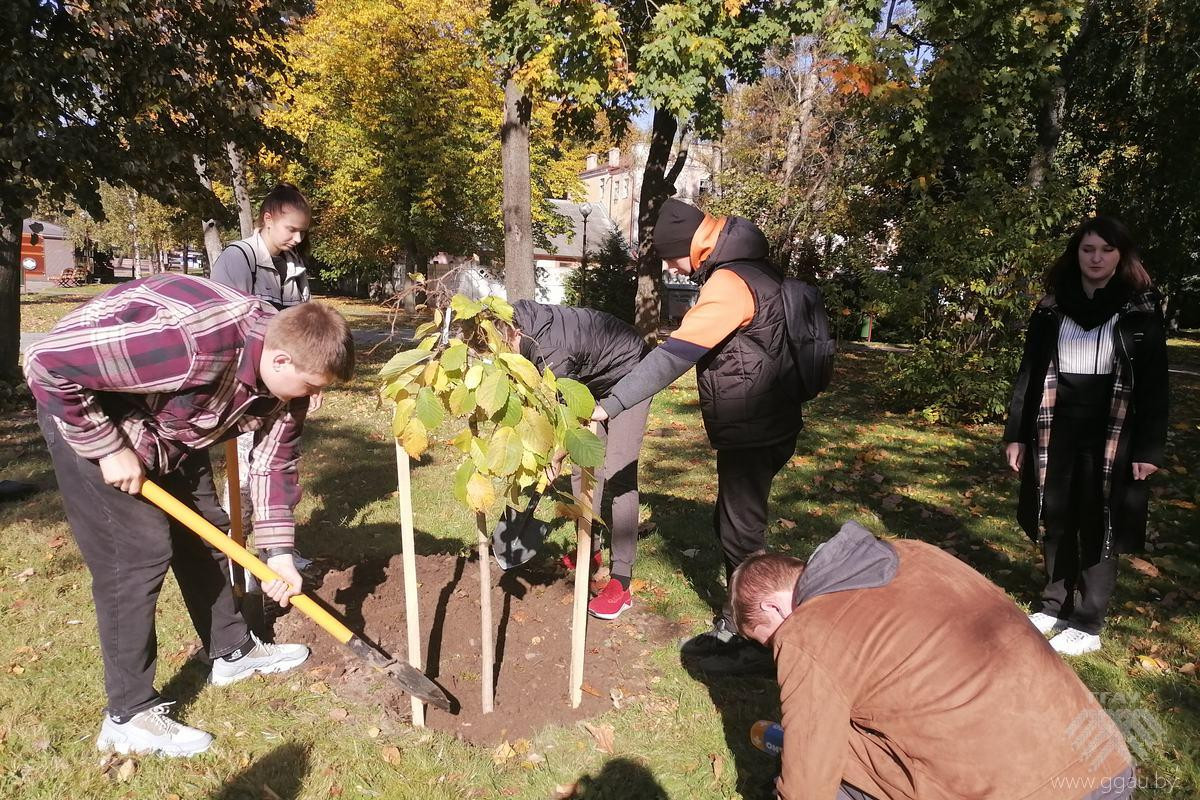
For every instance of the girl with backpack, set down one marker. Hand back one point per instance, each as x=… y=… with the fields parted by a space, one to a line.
x=1088 y=425
x=269 y=264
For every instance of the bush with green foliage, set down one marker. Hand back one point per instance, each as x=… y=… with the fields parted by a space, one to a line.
x=607 y=284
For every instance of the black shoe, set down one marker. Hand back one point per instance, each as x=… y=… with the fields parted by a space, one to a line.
x=720 y=651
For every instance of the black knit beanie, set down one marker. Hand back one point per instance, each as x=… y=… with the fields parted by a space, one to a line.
x=676 y=225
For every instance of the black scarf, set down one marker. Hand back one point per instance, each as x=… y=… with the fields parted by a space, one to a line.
x=1089 y=312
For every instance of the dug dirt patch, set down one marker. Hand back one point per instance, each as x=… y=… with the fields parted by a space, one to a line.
x=531 y=611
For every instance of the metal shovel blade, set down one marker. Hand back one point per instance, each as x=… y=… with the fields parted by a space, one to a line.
x=411 y=679
x=517 y=536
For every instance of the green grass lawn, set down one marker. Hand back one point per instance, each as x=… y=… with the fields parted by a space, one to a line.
x=284 y=737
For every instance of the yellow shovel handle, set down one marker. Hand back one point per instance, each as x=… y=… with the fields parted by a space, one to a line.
x=215 y=537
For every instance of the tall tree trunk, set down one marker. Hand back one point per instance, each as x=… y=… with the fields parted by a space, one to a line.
x=1050 y=114
x=10 y=294
x=212 y=236
x=657 y=186
x=238 y=170
x=518 y=213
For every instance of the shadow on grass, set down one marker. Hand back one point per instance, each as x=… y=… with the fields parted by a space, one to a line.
x=280 y=773
x=619 y=779
x=742 y=701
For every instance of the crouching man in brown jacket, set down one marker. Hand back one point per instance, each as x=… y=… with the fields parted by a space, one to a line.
x=904 y=673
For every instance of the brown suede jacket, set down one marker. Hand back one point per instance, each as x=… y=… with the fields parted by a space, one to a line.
x=933 y=685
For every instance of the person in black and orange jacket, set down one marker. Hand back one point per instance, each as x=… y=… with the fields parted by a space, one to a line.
x=735 y=338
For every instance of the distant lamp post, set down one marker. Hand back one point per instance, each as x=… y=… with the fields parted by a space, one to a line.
x=584 y=210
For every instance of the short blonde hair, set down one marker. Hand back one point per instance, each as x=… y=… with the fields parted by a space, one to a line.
x=756 y=578
x=317 y=338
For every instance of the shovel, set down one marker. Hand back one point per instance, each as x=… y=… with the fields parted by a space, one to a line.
x=514 y=539
x=409 y=678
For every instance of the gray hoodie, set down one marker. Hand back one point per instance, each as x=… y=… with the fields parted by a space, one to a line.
x=853 y=559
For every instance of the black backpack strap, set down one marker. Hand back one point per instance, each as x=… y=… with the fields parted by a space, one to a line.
x=251 y=263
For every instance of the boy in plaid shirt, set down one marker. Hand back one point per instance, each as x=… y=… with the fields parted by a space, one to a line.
x=140 y=382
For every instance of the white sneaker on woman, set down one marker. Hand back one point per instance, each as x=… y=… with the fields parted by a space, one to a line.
x=1047 y=623
x=1074 y=642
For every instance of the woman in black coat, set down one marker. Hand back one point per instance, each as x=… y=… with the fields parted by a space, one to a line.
x=1088 y=424
x=598 y=350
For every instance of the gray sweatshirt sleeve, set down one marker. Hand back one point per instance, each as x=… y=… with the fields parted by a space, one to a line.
x=232 y=269
x=654 y=373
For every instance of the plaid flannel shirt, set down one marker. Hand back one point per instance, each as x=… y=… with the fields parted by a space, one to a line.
x=166 y=366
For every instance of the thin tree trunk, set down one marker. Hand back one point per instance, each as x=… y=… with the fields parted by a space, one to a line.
x=238 y=170
x=518 y=214
x=10 y=294
x=212 y=236
x=656 y=188
x=131 y=198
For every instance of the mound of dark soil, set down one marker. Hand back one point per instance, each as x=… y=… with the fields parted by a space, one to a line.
x=531 y=610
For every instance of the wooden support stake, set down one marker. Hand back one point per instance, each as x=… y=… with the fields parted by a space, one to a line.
x=488 y=655
x=233 y=493
x=409 y=555
x=583 y=569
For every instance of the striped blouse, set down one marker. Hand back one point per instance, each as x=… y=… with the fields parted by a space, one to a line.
x=1085 y=352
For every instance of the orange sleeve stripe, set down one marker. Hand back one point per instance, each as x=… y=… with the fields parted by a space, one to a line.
x=725 y=304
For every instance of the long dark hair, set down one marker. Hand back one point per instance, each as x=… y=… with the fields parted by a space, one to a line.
x=1129 y=269
x=282 y=198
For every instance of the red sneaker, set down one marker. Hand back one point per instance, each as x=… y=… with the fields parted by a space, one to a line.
x=611 y=602
x=568 y=560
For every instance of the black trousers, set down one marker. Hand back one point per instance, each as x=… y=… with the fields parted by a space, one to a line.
x=128 y=544
x=1073 y=515
x=743 y=485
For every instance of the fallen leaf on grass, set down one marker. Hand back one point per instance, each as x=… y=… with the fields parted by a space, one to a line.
x=373 y=732
x=1145 y=567
x=57 y=542
x=691 y=552
x=787 y=524
x=602 y=736
x=24 y=575
x=339 y=714
x=318 y=688
x=390 y=754
x=636 y=585
x=718 y=766
x=1188 y=669
x=1184 y=504
x=1153 y=665
x=564 y=791
x=503 y=753
x=592 y=690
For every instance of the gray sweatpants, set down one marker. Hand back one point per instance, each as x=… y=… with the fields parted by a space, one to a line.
x=623 y=442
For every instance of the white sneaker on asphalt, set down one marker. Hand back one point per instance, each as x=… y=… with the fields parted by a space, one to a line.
x=1074 y=642
x=263 y=659
x=152 y=731
x=1047 y=623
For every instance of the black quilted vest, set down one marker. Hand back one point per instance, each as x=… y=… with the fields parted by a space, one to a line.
x=741 y=398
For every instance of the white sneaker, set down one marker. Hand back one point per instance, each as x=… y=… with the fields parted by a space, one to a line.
x=1074 y=642
x=264 y=658
x=1047 y=623
x=152 y=731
